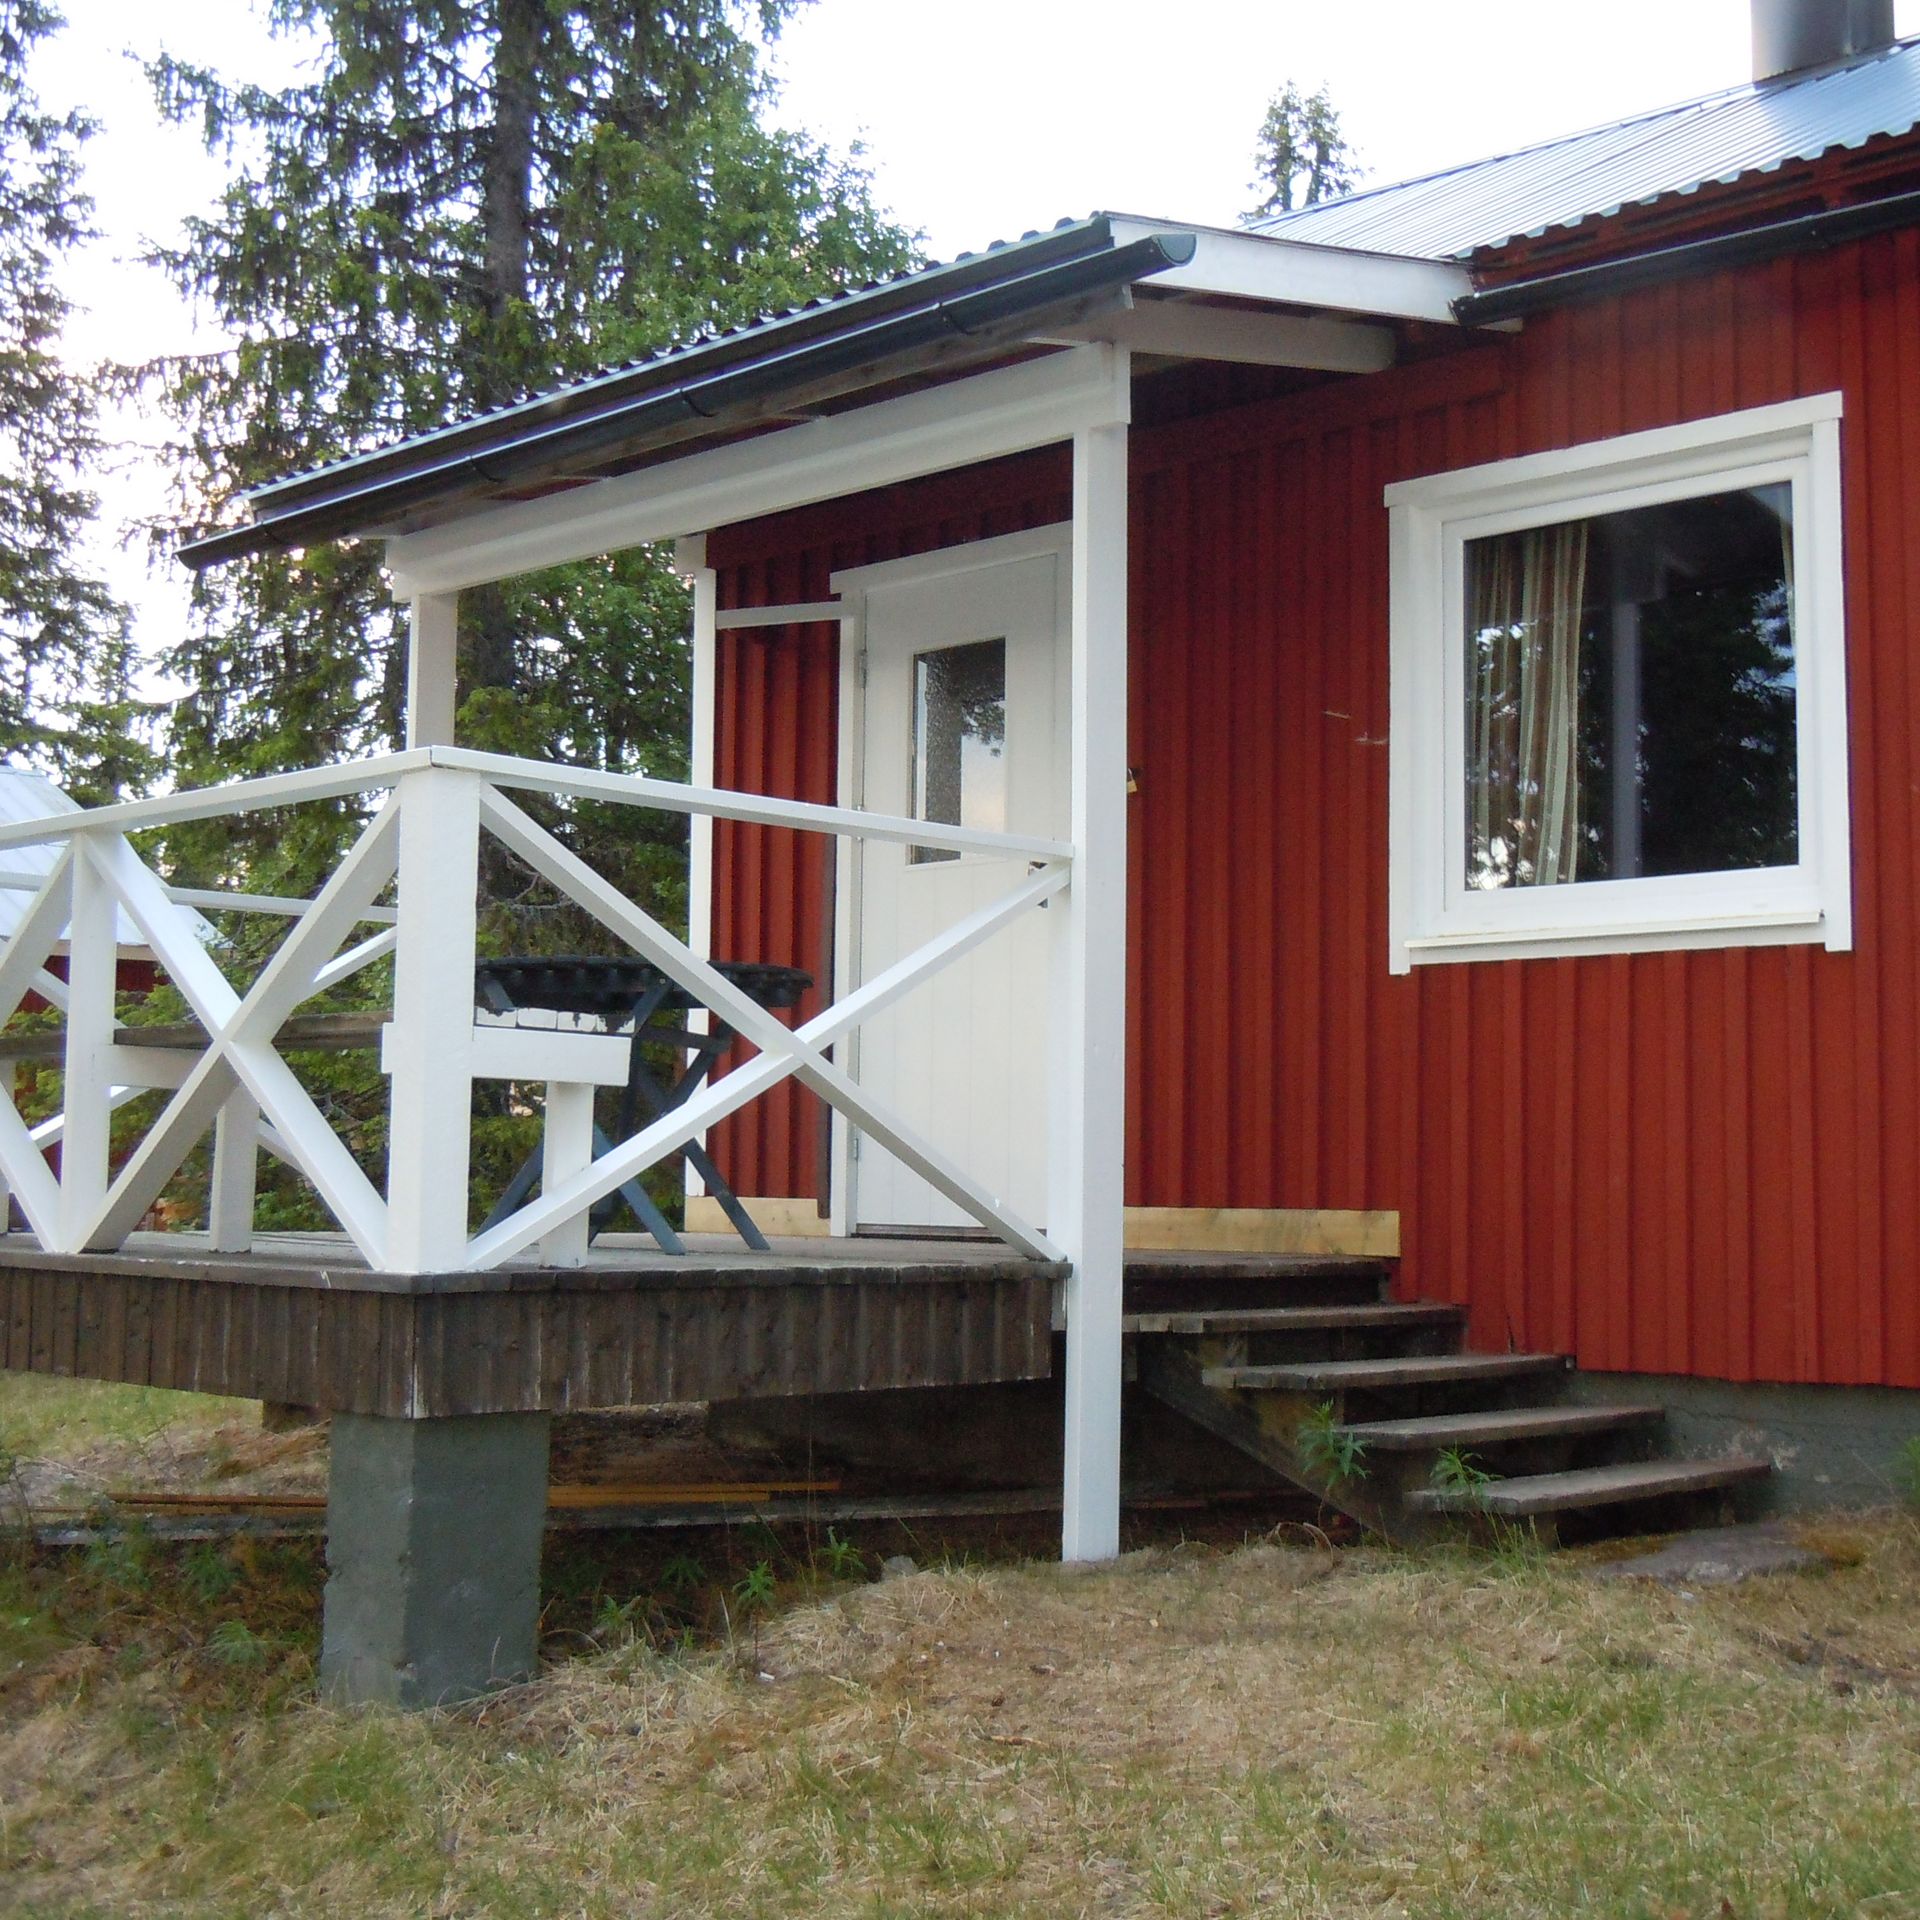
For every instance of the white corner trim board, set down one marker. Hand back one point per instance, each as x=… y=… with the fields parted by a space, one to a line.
x=1434 y=914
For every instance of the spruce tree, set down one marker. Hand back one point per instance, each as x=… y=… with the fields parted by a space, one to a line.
x=471 y=200
x=65 y=647
x=1302 y=155
x=468 y=201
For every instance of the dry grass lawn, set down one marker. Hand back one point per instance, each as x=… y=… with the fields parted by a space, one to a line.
x=1276 y=1730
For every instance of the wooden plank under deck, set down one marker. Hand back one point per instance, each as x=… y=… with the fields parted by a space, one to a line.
x=302 y=1319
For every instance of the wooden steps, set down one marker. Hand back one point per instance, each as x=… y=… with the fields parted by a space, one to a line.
x=1419 y=1370
x=1422 y=1313
x=1436 y=1432
x=1374 y=1406
x=1178 y=1283
x=1542 y=1493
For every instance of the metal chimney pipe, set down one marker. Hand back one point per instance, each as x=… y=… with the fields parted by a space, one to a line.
x=1791 y=35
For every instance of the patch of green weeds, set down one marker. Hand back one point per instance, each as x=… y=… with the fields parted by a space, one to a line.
x=41 y=1415
x=1459 y=1473
x=1329 y=1448
x=843 y=1560
x=121 y=1557
x=756 y=1588
x=233 y=1643
x=683 y=1575
x=1515 y=1546
x=209 y=1572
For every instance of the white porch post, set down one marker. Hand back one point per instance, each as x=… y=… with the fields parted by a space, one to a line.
x=690 y=556
x=93 y=956
x=1084 y=1214
x=433 y=625
x=431 y=1051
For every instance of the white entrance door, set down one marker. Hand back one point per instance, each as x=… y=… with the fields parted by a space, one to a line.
x=960 y=723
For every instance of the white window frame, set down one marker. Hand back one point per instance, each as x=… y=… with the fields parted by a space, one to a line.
x=1433 y=914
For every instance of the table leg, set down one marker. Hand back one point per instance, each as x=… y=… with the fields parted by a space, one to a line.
x=637 y=1197
x=643 y=1089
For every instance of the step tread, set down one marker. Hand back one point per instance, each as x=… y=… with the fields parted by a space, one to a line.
x=1418 y=1370
x=1164 y=1263
x=1197 y=1320
x=1489 y=1429
x=1589 y=1487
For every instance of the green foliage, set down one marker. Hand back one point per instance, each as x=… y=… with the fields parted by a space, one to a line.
x=683 y=1575
x=1516 y=1545
x=66 y=654
x=235 y=1644
x=469 y=202
x=1328 y=1448
x=122 y=1557
x=208 y=1572
x=1302 y=157
x=617 y=1621
x=1457 y=1471
x=844 y=1561
x=755 y=1589
x=466 y=201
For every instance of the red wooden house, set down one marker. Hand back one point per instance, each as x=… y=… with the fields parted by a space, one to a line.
x=1382 y=740
x=1647 y=1096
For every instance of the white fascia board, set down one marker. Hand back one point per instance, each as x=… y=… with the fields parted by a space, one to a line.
x=1261 y=266
x=1246 y=336
x=982 y=417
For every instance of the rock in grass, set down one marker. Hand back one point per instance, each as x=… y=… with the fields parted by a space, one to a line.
x=1717 y=1557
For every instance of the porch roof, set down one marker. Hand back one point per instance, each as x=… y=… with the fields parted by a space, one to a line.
x=1228 y=294
x=950 y=317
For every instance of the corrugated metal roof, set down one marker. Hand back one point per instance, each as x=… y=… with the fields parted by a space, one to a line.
x=25 y=795
x=615 y=371
x=723 y=380
x=1747 y=129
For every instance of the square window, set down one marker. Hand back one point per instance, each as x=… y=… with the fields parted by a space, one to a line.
x=1619 y=695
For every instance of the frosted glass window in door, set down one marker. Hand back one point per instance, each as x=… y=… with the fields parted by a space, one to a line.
x=959 y=759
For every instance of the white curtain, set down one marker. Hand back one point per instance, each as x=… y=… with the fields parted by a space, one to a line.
x=1524 y=597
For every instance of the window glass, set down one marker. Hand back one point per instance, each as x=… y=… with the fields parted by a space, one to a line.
x=960 y=739
x=1630 y=692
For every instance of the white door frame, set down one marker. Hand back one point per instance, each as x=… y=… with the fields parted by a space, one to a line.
x=852 y=586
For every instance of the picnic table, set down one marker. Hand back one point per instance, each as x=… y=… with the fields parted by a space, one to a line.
x=623 y=992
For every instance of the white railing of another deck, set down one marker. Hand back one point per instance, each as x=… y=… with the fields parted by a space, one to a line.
x=424 y=840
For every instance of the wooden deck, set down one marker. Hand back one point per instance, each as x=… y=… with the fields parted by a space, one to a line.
x=302 y=1319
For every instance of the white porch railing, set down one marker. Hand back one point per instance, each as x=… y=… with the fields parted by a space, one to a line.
x=425 y=836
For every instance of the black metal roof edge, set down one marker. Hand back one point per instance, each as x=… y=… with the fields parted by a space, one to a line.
x=1801 y=233
x=702 y=382
x=823 y=314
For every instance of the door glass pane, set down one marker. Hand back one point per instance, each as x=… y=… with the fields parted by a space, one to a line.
x=1631 y=694
x=960 y=739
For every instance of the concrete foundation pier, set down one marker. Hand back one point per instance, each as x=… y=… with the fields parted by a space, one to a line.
x=433 y=1556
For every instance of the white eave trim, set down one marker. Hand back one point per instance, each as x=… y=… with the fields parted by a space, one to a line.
x=1035 y=404
x=1262 y=266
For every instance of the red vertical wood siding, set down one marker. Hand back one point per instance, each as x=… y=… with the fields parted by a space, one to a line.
x=1700 y=1162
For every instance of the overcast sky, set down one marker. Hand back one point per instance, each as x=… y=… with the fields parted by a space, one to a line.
x=979 y=122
